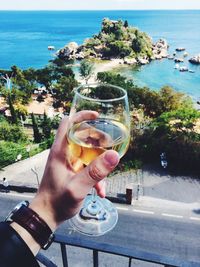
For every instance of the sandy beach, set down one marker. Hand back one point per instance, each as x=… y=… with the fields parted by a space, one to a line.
x=101 y=67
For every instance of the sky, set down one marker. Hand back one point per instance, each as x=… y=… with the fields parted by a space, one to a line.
x=97 y=4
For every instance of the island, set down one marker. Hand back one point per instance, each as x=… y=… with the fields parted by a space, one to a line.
x=117 y=40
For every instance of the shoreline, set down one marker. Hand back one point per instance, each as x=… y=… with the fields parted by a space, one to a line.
x=113 y=64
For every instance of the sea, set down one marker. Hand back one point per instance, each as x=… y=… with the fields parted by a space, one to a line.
x=25 y=36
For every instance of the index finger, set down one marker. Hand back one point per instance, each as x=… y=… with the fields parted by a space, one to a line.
x=60 y=142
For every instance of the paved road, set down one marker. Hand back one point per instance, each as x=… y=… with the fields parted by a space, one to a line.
x=163 y=229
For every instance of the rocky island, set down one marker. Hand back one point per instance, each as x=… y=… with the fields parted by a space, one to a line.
x=117 y=40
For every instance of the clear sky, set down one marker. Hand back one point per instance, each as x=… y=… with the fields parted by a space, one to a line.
x=97 y=4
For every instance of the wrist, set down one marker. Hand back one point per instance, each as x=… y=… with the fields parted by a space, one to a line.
x=31 y=226
x=45 y=211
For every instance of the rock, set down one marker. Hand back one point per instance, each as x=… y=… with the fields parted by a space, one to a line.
x=178 y=60
x=160 y=49
x=64 y=53
x=179 y=49
x=130 y=61
x=80 y=55
x=195 y=59
x=142 y=61
x=184 y=68
x=68 y=52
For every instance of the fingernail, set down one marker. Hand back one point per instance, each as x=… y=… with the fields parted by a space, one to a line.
x=112 y=158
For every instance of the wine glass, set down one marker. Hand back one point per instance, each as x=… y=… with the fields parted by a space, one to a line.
x=90 y=138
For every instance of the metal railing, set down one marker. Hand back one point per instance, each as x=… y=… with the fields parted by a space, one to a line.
x=97 y=247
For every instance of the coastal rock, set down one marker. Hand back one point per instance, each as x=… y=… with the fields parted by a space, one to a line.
x=177 y=60
x=180 y=49
x=80 y=55
x=160 y=49
x=68 y=52
x=130 y=61
x=195 y=59
x=142 y=61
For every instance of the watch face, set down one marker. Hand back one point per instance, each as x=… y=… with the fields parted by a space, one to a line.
x=16 y=208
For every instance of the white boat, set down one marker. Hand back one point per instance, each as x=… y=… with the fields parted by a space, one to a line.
x=51 y=47
x=176 y=66
x=191 y=71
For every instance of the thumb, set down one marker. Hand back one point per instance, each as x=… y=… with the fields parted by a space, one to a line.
x=94 y=173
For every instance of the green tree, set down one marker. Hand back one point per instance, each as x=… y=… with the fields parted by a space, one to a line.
x=12 y=132
x=173 y=100
x=36 y=133
x=86 y=70
x=126 y=24
x=63 y=90
x=45 y=76
x=12 y=110
x=46 y=127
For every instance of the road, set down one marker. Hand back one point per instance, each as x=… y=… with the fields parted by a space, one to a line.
x=173 y=232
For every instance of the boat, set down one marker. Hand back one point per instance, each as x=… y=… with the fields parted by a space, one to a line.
x=191 y=71
x=184 y=68
x=185 y=54
x=176 y=66
x=170 y=57
x=51 y=47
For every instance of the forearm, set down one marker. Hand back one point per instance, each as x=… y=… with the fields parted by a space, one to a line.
x=28 y=239
x=13 y=249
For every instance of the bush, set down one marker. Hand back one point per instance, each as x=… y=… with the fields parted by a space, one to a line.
x=12 y=132
x=9 y=152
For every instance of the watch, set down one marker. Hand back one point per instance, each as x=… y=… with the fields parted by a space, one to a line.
x=33 y=223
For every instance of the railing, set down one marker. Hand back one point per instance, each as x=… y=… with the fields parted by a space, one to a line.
x=97 y=247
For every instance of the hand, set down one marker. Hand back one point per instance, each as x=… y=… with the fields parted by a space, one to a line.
x=62 y=191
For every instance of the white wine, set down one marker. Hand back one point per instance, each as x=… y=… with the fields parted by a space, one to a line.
x=91 y=138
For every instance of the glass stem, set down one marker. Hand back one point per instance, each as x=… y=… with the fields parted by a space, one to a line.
x=94 y=195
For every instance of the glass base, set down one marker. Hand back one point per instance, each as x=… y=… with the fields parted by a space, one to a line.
x=95 y=217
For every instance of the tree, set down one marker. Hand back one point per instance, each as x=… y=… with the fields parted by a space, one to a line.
x=36 y=133
x=12 y=110
x=46 y=127
x=12 y=132
x=86 y=70
x=173 y=100
x=21 y=111
x=126 y=24
x=63 y=90
x=45 y=76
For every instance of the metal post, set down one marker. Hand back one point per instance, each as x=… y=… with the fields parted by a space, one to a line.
x=34 y=170
x=64 y=255
x=95 y=258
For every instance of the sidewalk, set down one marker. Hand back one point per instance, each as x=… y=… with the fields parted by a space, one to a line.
x=20 y=174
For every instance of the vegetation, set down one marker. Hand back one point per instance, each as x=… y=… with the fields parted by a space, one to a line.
x=117 y=39
x=162 y=121
x=86 y=70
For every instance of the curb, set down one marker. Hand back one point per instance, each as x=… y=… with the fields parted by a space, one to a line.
x=19 y=188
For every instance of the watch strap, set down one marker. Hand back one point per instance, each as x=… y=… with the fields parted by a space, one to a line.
x=35 y=225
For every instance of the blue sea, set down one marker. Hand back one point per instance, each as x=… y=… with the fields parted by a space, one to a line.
x=25 y=36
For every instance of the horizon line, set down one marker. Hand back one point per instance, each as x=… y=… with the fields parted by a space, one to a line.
x=168 y=9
